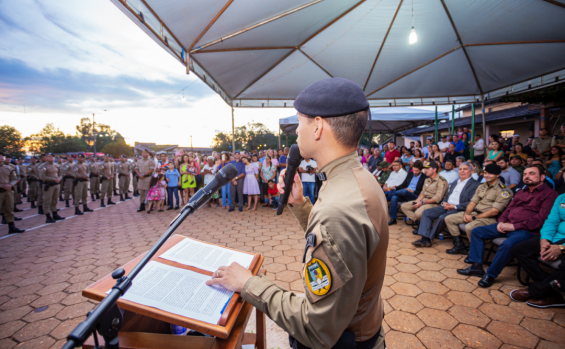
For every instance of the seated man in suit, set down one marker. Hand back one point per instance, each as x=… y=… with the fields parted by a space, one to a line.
x=521 y=221
x=408 y=190
x=457 y=199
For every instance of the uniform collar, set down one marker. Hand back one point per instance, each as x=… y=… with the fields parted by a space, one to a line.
x=334 y=167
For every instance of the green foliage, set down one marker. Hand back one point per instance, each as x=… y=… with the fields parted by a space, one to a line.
x=11 y=141
x=104 y=133
x=117 y=148
x=53 y=140
x=252 y=136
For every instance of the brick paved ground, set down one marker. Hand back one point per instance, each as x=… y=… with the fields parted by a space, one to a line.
x=428 y=305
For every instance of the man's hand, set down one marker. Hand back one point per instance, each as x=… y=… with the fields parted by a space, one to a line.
x=57 y=180
x=417 y=206
x=234 y=182
x=296 y=196
x=468 y=218
x=233 y=277
x=7 y=187
x=551 y=253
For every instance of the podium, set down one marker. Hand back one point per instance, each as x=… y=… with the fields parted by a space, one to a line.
x=149 y=328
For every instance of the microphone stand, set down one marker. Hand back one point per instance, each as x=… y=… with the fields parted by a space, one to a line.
x=107 y=318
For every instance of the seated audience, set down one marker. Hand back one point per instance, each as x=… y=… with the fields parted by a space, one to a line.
x=435 y=188
x=522 y=220
x=407 y=191
x=392 y=153
x=550 y=246
x=375 y=159
x=511 y=176
x=396 y=177
x=449 y=173
x=488 y=201
x=383 y=175
x=516 y=163
x=451 y=154
x=457 y=199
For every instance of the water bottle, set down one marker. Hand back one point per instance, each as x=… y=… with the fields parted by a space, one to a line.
x=440 y=236
x=178 y=330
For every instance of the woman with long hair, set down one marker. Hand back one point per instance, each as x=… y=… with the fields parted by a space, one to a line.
x=518 y=149
x=466 y=152
x=495 y=153
x=553 y=162
x=189 y=170
x=436 y=155
x=418 y=156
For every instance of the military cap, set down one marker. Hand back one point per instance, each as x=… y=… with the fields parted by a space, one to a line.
x=431 y=164
x=493 y=169
x=443 y=136
x=123 y=156
x=81 y=156
x=515 y=156
x=331 y=97
x=47 y=154
x=7 y=155
x=63 y=157
x=384 y=164
x=2 y=153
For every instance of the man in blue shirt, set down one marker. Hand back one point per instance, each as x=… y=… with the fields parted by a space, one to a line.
x=282 y=162
x=408 y=190
x=511 y=177
x=237 y=183
x=173 y=176
x=459 y=145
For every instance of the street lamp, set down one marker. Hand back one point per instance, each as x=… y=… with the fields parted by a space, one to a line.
x=94 y=131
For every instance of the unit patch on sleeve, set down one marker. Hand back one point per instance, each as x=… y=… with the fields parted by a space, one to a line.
x=318 y=277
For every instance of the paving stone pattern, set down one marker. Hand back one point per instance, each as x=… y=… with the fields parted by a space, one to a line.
x=427 y=304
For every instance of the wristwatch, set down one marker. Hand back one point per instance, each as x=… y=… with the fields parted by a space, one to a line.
x=423 y=202
x=474 y=217
x=562 y=248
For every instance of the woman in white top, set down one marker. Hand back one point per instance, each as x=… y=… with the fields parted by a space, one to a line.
x=209 y=171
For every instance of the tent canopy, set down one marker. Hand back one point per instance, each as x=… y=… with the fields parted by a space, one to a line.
x=257 y=53
x=384 y=120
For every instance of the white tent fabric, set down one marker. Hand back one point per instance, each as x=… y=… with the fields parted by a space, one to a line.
x=384 y=120
x=258 y=53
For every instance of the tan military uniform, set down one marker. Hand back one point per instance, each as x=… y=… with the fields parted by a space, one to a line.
x=7 y=176
x=94 y=178
x=33 y=178
x=143 y=167
x=558 y=139
x=123 y=175
x=543 y=144
x=133 y=167
x=433 y=189
x=23 y=178
x=68 y=178
x=486 y=197
x=115 y=178
x=16 y=188
x=81 y=187
x=49 y=173
x=344 y=271
x=106 y=173
x=40 y=184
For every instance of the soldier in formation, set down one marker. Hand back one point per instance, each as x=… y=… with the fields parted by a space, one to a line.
x=8 y=179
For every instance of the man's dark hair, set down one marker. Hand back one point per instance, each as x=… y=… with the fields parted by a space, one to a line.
x=505 y=158
x=347 y=129
x=478 y=135
x=418 y=164
x=543 y=128
x=541 y=169
x=270 y=181
x=450 y=161
x=495 y=137
x=398 y=162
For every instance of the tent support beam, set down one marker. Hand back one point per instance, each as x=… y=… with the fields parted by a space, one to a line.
x=247 y=49
x=436 y=125
x=210 y=24
x=473 y=128
x=452 y=119
x=382 y=45
x=484 y=120
x=462 y=46
x=316 y=63
x=232 y=131
x=556 y=3
x=256 y=25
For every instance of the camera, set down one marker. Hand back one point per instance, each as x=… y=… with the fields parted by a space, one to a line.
x=309 y=168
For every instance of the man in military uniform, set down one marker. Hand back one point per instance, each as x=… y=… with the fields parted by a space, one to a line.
x=542 y=145
x=385 y=173
x=342 y=302
x=106 y=176
x=489 y=201
x=60 y=162
x=123 y=174
x=516 y=163
x=80 y=170
x=559 y=138
x=435 y=188
x=32 y=179
x=94 y=178
x=115 y=163
x=68 y=179
x=7 y=180
x=15 y=199
x=144 y=170
x=23 y=177
x=135 y=178
x=42 y=162
x=51 y=176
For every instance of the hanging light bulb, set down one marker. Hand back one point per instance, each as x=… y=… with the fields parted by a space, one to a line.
x=412 y=38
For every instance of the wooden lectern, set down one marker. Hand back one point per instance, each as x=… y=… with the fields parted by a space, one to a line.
x=149 y=328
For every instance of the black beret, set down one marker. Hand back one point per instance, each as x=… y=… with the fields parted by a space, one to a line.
x=123 y=156
x=493 y=169
x=7 y=155
x=81 y=156
x=331 y=97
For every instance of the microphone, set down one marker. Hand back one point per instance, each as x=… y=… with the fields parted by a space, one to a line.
x=292 y=164
x=223 y=177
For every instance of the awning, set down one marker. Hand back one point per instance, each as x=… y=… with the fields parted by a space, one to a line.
x=384 y=120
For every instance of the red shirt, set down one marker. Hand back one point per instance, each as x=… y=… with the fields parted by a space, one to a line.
x=391 y=155
x=273 y=191
x=528 y=210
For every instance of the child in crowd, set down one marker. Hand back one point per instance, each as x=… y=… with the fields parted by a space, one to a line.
x=273 y=195
x=156 y=192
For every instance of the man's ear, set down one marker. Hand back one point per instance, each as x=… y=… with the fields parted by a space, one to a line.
x=319 y=125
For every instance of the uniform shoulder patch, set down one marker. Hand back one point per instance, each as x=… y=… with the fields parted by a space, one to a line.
x=505 y=194
x=318 y=277
x=502 y=185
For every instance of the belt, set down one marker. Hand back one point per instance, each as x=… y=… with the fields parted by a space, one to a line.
x=68 y=177
x=80 y=179
x=345 y=341
x=123 y=175
x=2 y=190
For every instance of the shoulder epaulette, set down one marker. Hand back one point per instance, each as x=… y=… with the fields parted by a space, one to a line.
x=502 y=185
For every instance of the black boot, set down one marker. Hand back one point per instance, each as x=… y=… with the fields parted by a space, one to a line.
x=67 y=203
x=40 y=210
x=4 y=220
x=61 y=199
x=24 y=195
x=98 y=196
x=49 y=219
x=33 y=204
x=110 y=202
x=13 y=230
x=57 y=217
x=474 y=270
x=115 y=193
x=86 y=209
x=78 y=212
x=17 y=209
x=102 y=203
x=17 y=219
x=458 y=246
x=127 y=197
x=92 y=197
x=122 y=197
x=141 y=207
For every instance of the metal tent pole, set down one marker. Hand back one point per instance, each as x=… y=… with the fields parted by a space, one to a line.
x=232 y=132
x=452 y=119
x=473 y=128
x=370 y=129
x=279 y=136
x=436 y=134
x=484 y=119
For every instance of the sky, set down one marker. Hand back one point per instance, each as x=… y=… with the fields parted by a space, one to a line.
x=63 y=60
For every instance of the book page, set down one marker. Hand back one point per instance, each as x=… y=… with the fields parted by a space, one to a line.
x=178 y=291
x=205 y=256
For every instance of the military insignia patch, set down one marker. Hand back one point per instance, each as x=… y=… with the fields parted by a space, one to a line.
x=505 y=194
x=318 y=277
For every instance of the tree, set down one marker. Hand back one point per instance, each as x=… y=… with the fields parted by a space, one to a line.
x=11 y=141
x=117 y=148
x=52 y=140
x=104 y=133
x=252 y=136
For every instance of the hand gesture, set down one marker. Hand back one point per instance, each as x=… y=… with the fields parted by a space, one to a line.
x=232 y=277
x=296 y=195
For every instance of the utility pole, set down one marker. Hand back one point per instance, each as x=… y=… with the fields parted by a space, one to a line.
x=94 y=134
x=191 y=143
